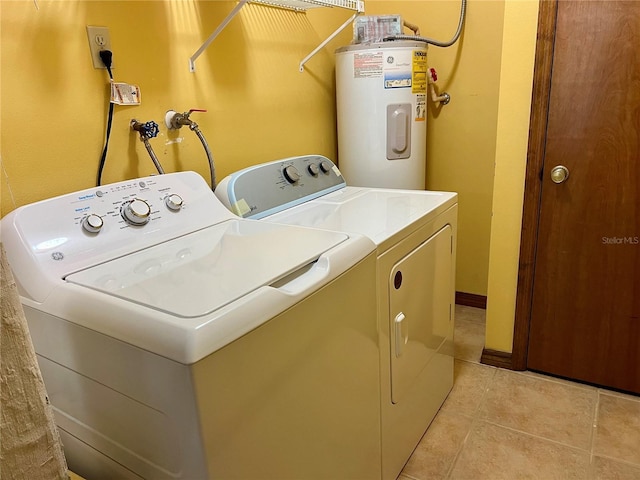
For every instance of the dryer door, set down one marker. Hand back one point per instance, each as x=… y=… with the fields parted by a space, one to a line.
x=420 y=308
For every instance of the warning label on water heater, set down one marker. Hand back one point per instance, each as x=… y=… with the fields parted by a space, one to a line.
x=367 y=65
x=421 y=108
x=419 y=72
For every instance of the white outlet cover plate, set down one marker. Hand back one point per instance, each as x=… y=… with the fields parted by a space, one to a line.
x=99 y=39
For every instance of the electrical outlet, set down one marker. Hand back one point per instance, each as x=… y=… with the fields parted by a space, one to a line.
x=99 y=39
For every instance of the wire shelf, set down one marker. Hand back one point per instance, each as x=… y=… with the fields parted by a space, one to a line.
x=356 y=6
x=303 y=5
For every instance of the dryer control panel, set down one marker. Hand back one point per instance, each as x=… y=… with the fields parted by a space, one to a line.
x=268 y=188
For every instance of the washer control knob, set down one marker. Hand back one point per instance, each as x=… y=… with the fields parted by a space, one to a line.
x=173 y=202
x=136 y=212
x=92 y=223
x=291 y=174
x=313 y=169
x=325 y=166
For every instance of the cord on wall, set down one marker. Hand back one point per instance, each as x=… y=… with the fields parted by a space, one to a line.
x=107 y=58
x=418 y=38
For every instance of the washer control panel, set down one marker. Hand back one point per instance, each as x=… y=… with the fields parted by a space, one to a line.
x=78 y=230
x=135 y=203
x=265 y=189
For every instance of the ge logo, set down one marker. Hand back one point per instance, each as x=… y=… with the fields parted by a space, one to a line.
x=57 y=255
x=390 y=59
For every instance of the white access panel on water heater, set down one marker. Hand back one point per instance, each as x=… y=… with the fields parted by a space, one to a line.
x=381 y=92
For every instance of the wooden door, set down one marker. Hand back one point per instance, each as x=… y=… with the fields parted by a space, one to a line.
x=585 y=317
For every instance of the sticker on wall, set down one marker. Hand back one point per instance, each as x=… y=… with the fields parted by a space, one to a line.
x=125 y=94
x=419 y=72
x=421 y=108
x=367 y=65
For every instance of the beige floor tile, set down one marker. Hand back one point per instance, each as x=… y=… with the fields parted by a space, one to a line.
x=618 y=428
x=468 y=340
x=435 y=453
x=613 y=393
x=550 y=378
x=470 y=383
x=405 y=477
x=553 y=410
x=492 y=452
x=607 y=469
x=471 y=314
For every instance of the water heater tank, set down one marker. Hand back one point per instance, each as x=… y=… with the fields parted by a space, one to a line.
x=381 y=91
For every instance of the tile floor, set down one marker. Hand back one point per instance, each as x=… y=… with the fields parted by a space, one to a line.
x=499 y=424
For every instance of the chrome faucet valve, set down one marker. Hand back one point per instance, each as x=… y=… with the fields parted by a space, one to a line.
x=174 y=120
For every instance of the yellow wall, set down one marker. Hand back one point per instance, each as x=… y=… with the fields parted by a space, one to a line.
x=520 y=25
x=54 y=107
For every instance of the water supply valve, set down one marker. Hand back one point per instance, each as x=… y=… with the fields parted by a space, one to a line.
x=174 y=120
x=444 y=98
x=147 y=130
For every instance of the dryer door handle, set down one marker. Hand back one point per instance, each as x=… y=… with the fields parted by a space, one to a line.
x=401 y=332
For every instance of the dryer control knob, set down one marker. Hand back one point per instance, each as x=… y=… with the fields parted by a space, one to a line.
x=325 y=166
x=173 y=202
x=136 y=212
x=92 y=223
x=291 y=174
x=313 y=169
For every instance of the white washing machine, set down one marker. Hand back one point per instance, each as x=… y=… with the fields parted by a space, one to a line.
x=415 y=234
x=177 y=341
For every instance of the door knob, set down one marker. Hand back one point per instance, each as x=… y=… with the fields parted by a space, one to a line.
x=559 y=174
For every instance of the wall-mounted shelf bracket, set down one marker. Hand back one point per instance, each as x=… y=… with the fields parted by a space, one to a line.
x=327 y=40
x=296 y=5
x=212 y=37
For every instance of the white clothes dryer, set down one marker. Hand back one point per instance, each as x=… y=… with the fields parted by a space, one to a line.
x=177 y=341
x=415 y=235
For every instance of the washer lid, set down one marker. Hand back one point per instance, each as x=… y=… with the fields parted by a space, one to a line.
x=201 y=272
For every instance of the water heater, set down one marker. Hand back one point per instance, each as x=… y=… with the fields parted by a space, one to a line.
x=381 y=91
